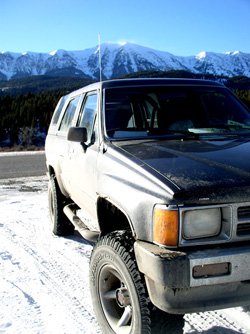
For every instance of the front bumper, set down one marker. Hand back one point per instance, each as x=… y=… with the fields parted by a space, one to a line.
x=182 y=282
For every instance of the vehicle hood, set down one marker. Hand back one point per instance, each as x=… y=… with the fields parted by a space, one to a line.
x=198 y=168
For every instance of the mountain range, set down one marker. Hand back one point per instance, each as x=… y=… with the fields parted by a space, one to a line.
x=118 y=60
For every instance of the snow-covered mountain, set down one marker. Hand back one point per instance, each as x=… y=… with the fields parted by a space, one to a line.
x=118 y=60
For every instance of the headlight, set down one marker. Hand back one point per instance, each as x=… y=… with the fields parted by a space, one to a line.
x=201 y=223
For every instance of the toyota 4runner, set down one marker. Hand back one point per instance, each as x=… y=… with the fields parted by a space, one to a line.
x=157 y=173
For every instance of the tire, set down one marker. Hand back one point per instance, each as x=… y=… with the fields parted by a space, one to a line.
x=119 y=294
x=61 y=225
x=117 y=289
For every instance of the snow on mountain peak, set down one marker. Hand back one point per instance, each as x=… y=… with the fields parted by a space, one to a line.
x=53 y=53
x=201 y=55
x=119 y=59
x=232 y=53
x=59 y=52
x=11 y=54
x=122 y=43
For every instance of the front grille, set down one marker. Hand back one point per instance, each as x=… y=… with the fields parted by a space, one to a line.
x=244 y=212
x=243 y=229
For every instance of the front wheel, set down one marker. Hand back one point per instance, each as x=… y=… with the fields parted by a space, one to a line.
x=117 y=289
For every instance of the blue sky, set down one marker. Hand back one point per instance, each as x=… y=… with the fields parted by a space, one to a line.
x=181 y=27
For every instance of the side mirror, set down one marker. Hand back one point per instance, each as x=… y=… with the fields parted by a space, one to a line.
x=77 y=134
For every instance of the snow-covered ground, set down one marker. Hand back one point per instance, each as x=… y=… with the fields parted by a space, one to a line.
x=44 y=279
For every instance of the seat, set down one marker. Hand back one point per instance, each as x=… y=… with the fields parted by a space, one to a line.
x=117 y=119
x=175 y=116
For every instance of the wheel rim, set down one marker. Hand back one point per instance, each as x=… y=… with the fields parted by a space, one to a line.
x=115 y=300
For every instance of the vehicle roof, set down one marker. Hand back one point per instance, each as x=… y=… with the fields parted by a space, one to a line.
x=147 y=82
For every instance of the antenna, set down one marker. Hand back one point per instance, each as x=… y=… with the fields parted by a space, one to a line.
x=100 y=59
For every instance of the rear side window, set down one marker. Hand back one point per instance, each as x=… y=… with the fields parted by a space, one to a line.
x=69 y=114
x=58 y=110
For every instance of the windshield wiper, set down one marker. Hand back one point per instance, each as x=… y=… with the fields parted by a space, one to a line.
x=230 y=125
x=237 y=125
x=188 y=134
x=175 y=133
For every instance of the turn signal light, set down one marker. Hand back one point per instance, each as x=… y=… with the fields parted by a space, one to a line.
x=166 y=226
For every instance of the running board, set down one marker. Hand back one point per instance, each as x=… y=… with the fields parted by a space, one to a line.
x=69 y=211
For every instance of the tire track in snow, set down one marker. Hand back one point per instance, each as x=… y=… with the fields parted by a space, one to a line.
x=22 y=302
x=55 y=265
x=212 y=322
x=68 y=290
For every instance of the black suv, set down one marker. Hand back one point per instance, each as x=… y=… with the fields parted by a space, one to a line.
x=156 y=172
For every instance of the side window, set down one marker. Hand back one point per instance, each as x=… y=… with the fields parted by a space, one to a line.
x=87 y=116
x=69 y=114
x=58 y=109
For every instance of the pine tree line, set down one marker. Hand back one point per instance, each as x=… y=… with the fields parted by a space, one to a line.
x=244 y=96
x=24 y=118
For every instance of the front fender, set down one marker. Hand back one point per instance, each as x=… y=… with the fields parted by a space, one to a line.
x=133 y=189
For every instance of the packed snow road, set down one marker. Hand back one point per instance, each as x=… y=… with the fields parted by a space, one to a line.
x=44 y=279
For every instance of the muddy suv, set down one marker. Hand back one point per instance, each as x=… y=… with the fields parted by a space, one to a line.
x=156 y=172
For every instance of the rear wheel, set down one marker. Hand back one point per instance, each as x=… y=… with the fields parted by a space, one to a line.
x=61 y=225
x=119 y=294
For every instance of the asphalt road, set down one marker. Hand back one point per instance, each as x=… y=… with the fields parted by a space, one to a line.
x=22 y=164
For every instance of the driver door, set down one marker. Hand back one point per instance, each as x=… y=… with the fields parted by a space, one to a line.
x=84 y=157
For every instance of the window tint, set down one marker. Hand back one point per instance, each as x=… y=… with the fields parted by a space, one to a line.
x=88 y=114
x=69 y=114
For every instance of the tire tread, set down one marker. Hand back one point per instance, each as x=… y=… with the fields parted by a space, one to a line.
x=61 y=224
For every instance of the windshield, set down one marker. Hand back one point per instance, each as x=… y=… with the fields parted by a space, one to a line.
x=139 y=112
